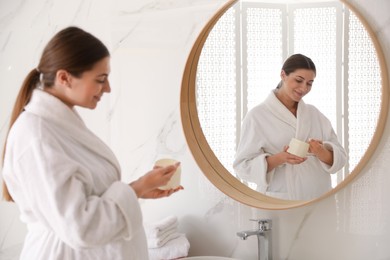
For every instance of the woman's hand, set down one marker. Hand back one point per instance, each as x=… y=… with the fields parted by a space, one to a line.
x=157 y=193
x=318 y=149
x=147 y=186
x=291 y=158
x=275 y=160
x=315 y=146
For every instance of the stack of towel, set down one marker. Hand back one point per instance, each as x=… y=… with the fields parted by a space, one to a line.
x=164 y=240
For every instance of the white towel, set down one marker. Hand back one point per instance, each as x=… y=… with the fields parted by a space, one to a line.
x=156 y=229
x=163 y=239
x=173 y=249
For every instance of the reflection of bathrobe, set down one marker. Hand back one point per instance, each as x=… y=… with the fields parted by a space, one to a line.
x=66 y=182
x=269 y=127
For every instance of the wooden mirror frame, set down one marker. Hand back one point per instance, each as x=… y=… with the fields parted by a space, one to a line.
x=212 y=168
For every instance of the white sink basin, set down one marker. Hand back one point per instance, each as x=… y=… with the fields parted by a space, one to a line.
x=209 y=258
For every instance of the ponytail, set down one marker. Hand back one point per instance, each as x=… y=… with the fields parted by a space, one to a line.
x=24 y=96
x=279 y=85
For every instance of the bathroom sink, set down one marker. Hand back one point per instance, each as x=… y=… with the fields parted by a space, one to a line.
x=209 y=258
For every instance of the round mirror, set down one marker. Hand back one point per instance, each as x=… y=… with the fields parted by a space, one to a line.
x=236 y=61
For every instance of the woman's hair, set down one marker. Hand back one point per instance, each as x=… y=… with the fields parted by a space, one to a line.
x=71 y=49
x=297 y=61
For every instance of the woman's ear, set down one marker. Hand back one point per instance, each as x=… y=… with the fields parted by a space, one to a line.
x=63 y=78
x=282 y=75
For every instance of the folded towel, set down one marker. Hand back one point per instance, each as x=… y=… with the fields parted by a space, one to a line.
x=163 y=233
x=156 y=229
x=159 y=242
x=173 y=249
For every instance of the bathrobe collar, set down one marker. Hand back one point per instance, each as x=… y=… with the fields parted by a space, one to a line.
x=53 y=110
x=301 y=123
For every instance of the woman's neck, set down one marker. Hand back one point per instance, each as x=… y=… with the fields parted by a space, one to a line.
x=291 y=105
x=58 y=93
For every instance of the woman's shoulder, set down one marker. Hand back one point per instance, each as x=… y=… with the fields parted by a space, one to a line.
x=256 y=112
x=315 y=112
x=29 y=126
x=312 y=108
x=259 y=108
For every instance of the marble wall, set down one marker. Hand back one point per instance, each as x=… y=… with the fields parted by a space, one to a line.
x=149 y=42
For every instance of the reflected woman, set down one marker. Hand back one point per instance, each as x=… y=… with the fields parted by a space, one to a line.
x=262 y=156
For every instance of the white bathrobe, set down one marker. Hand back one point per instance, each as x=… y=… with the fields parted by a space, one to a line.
x=66 y=183
x=269 y=127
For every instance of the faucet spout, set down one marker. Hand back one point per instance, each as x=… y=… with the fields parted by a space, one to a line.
x=264 y=238
x=245 y=234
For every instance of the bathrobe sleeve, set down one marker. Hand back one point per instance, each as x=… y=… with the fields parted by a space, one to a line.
x=250 y=161
x=64 y=202
x=330 y=141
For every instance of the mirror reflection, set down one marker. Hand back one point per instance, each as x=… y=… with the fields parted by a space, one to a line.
x=240 y=65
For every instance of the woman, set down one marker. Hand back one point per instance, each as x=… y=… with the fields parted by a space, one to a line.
x=262 y=155
x=64 y=179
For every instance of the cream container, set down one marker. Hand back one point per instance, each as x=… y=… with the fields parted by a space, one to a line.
x=298 y=147
x=174 y=182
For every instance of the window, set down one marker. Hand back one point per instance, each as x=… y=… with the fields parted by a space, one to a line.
x=241 y=61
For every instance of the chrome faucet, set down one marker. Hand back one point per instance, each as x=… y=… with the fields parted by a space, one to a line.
x=263 y=233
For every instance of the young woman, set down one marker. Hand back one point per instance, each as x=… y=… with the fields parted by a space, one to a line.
x=64 y=179
x=267 y=129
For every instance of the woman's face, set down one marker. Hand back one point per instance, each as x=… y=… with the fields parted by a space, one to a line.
x=87 y=90
x=297 y=84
